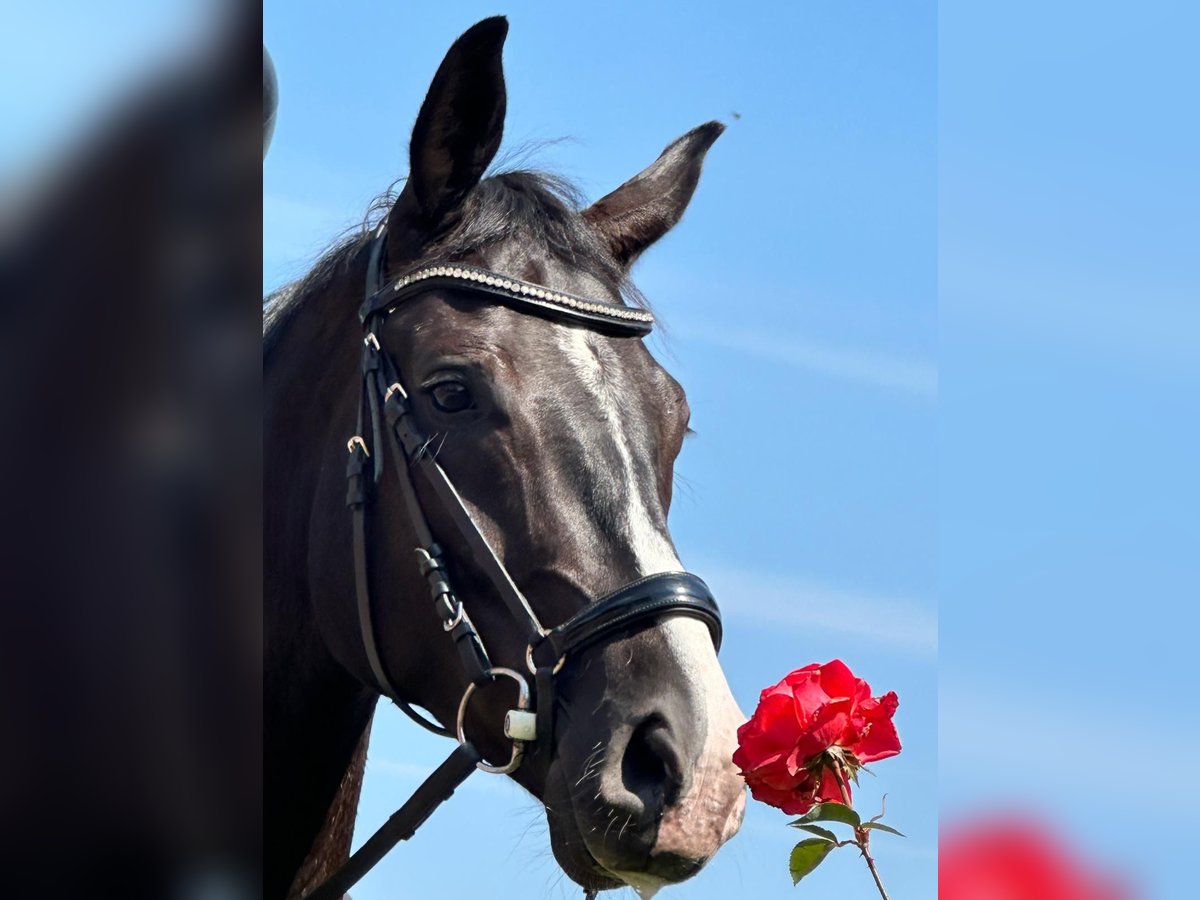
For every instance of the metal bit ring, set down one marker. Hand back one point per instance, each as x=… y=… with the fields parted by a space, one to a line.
x=518 y=748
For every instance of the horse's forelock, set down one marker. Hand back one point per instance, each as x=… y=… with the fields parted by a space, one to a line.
x=538 y=208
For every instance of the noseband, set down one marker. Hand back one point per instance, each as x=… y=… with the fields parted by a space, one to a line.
x=386 y=412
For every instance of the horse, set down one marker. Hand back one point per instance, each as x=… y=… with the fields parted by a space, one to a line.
x=539 y=402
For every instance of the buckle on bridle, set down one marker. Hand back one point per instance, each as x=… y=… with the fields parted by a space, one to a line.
x=452 y=623
x=357 y=441
x=516 y=722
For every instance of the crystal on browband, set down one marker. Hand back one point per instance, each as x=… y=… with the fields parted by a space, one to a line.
x=610 y=317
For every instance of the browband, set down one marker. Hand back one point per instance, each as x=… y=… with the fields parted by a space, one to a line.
x=610 y=318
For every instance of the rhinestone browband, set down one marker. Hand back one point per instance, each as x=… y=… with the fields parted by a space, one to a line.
x=609 y=317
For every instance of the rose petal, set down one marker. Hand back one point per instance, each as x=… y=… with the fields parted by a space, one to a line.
x=879 y=742
x=829 y=789
x=838 y=680
x=800 y=718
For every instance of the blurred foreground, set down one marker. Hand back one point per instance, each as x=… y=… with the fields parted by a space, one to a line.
x=1016 y=858
x=129 y=471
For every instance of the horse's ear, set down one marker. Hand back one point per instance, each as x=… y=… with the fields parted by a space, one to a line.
x=458 y=130
x=646 y=207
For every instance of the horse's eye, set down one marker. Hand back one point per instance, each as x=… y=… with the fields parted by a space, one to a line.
x=450 y=396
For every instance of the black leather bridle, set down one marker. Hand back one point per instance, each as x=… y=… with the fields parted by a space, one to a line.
x=386 y=408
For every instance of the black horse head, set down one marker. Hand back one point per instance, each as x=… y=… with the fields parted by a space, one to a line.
x=561 y=440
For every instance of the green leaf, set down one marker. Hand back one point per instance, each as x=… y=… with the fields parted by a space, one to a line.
x=818 y=831
x=879 y=826
x=806 y=856
x=830 y=812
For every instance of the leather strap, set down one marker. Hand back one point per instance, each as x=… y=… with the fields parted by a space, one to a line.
x=356 y=497
x=636 y=604
x=544 y=699
x=409 y=445
x=608 y=318
x=403 y=824
x=357 y=501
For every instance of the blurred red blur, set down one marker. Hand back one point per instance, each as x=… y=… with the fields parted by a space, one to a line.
x=1015 y=858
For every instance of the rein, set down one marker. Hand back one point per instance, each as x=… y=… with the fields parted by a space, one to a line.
x=386 y=413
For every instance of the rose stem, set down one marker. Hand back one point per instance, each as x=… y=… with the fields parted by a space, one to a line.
x=860 y=833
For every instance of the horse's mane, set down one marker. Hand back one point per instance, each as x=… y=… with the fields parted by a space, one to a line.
x=535 y=207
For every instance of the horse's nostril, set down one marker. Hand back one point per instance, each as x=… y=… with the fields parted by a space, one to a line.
x=651 y=767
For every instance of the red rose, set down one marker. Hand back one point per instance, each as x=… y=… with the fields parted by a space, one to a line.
x=1007 y=859
x=784 y=751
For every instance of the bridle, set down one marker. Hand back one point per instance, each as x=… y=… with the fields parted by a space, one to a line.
x=385 y=410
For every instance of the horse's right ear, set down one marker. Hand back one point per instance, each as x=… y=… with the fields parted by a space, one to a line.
x=457 y=133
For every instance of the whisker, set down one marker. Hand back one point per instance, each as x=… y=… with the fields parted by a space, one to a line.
x=628 y=819
x=612 y=821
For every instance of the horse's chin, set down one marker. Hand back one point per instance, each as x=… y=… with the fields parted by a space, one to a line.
x=567 y=842
x=581 y=867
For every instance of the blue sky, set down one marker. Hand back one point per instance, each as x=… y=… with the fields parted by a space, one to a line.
x=1070 y=364
x=799 y=295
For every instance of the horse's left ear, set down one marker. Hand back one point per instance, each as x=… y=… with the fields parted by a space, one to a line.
x=647 y=206
x=457 y=132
